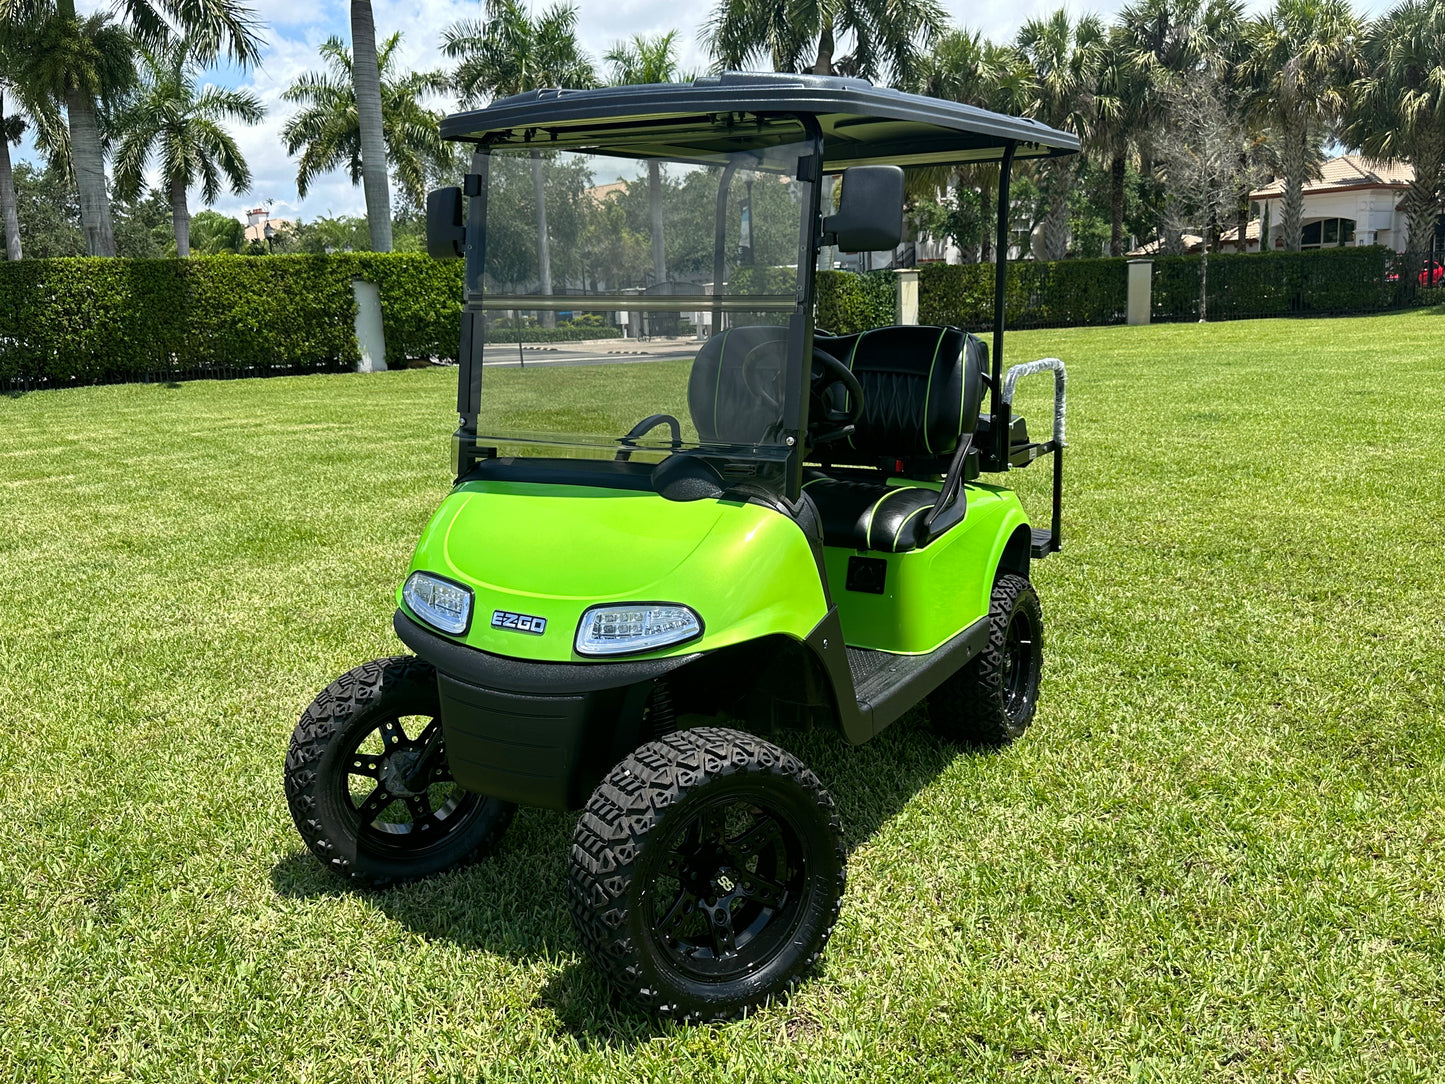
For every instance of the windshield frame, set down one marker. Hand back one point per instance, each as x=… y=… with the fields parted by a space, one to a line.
x=769 y=470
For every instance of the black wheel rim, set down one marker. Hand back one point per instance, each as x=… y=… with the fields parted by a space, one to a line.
x=1020 y=655
x=400 y=789
x=727 y=892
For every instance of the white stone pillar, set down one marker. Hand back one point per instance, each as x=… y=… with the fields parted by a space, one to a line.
x=1140 y=291
x=905 y=309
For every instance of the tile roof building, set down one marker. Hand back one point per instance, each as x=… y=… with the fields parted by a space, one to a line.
x=258 y=219
x=1355 y=201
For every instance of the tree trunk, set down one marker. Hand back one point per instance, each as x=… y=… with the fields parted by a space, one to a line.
x=988 y=212
x=180 y=217
x=824 y=64
x=89 y=165
x=366 y=79
x=654 y=194
x=1171 y=227
x=1292 y=162
x=1056 y=220
x=544 y=243
x=1204 y=283
x=1116 y=206
x=1241 y=222
x=1421 y=203
x=7 y=194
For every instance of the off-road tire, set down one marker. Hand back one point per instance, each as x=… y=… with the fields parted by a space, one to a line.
x=627 y=848
x=986 y=704
x=319 y=767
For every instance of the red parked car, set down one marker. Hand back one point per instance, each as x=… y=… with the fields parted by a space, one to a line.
x=1433 y=275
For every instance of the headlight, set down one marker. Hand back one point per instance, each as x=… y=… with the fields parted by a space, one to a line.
x=440 y=603
x=631 y=627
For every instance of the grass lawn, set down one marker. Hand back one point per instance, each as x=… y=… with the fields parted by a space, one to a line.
x=1218 y=855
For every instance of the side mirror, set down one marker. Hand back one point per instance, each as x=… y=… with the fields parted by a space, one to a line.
x=446 y=231
x=870 y=211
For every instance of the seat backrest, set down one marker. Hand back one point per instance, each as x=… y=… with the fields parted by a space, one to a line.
x=922 y=391
x=735 y=375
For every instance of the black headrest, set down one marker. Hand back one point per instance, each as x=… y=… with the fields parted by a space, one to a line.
x=733 y=378
x=922 y=390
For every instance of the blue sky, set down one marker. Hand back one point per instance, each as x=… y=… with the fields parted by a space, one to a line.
x=296 y=27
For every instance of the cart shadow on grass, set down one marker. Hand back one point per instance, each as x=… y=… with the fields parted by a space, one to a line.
x=514 y=903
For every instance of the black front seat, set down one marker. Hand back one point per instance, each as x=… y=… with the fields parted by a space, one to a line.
x=735 y=389
x=922 y=391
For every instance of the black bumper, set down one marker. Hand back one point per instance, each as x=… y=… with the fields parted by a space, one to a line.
x=537 y=733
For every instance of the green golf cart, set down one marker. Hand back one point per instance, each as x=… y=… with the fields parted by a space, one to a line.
x=708 y=523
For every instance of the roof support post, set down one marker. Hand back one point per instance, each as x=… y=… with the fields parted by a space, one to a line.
x=998 y=409
x=472 y=343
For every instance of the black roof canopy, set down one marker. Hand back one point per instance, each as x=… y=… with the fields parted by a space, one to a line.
x=736 y=111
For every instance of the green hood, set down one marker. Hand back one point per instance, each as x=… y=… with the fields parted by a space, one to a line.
x=553 y=551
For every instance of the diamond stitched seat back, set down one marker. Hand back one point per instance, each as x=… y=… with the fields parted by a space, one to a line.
x=922 y=390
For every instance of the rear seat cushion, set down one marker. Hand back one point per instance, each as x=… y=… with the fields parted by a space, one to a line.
x=869 y=516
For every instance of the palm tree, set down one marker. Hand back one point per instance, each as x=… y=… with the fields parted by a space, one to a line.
x=1125 y=102
x=1397 y=108
x=513 y=52
x=366 y=85
x=1173 y=41
x=327 y=130
x=964 y=66
x=32 y=112
x=1063 y=57
x=1299 y=60
x=181 y=122
x=890 y=37
x=11 y=129
x=649 y=60
x=82 y=61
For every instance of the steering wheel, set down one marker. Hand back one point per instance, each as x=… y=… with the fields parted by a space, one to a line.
x=762 y=372
x=827 y=373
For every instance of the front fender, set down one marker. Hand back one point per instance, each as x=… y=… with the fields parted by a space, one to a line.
x=554 y=551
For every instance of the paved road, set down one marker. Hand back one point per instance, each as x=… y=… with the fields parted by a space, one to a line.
x=600 y=352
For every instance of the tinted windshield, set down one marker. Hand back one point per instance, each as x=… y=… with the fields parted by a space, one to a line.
x=616 y=289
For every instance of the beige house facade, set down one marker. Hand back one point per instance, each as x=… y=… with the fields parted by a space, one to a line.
x=1355 y=201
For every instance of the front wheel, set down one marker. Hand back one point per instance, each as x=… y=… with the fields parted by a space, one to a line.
x=706 y=873
x=368 y=783
x=992 y=700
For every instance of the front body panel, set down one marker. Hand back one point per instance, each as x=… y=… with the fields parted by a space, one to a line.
x=928 y=594
x=550 y=552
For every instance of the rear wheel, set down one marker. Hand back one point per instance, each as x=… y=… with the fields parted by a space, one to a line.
x=706 y=873
x=992 y=700
x=368 y=783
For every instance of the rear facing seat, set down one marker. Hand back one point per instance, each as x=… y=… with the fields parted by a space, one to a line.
x=922 y=391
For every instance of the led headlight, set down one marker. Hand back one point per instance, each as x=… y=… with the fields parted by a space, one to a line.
x=440 y=603
x=629 y=627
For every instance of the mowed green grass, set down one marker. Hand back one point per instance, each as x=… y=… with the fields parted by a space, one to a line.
x=1218 y=855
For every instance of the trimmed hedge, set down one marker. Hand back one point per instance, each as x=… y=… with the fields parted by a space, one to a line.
x=544 y=335
x=849 y=302
x=1079 y=293
x=1037 y=294
x=84 y=320
x=1333 y=281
